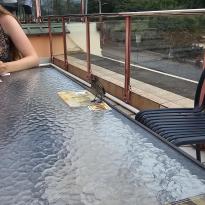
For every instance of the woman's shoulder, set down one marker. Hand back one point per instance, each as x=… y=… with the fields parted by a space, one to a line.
x=5 y=19
x=7 y=22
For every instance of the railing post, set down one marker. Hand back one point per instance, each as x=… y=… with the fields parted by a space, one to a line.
x=88 y=45
x=127 y=58
x=64 y=43
x=50 y=38
x=82 y=8
x=204 y=61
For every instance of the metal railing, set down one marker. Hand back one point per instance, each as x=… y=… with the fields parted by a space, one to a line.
x=127 y=16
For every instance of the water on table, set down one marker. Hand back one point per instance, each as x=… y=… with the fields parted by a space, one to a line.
x=51 y=154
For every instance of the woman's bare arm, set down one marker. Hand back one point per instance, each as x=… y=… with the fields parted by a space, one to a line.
x=21 y=42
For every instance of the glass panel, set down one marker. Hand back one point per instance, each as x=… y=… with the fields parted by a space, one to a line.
x=107 y=44
x=113 y=39
x=167 y=52
x=107 y=39
x=107 y=51
x=76 y=41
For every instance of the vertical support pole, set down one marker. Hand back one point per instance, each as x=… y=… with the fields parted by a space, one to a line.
x=64 y=43
x=82 y=10
x=127 y=58
x=82 y=7
x=50 y=38
x=86 y=6
x=204 y=61
x=88 y=45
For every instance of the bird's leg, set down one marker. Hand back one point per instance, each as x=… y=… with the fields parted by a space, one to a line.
x=98 y=100
x=94 y=100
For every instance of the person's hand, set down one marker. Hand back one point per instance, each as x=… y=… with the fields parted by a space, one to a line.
x=2 y=67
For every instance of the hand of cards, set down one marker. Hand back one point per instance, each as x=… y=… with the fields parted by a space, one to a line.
x=3 y=75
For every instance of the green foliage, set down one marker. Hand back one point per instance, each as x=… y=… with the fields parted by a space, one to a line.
x=62 y=7
x=145 y=5
x=108 y=6
x=180 y=30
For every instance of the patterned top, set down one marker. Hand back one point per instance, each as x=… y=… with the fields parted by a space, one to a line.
x=5 y=45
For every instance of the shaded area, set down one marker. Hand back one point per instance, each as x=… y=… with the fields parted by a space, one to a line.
x=52 y=154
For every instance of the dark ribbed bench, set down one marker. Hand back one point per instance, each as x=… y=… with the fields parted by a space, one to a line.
x=180 y=126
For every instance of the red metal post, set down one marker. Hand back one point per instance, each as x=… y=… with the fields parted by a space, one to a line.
x=50 y=38
x=127 y=58
x=64 y=43
x=82 y=7
x=88 y=45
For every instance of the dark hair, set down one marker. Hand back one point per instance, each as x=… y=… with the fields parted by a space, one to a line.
x=3 y=11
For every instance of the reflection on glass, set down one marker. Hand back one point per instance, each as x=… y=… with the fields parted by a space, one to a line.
x=171 y=45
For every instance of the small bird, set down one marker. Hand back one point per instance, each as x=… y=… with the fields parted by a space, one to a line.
x=97 y=89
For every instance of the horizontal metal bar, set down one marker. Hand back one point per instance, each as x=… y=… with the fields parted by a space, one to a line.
x=140 y=13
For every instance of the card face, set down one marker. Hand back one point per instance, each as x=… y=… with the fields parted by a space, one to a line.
x=5 y=74
x=196 y=200
x=76 y=99
x=99 y=106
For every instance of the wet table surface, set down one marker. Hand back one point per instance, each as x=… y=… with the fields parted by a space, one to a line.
x=51 y=154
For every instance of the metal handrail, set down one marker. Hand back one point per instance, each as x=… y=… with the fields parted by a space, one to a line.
x=128 y=17
x=140 y=13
